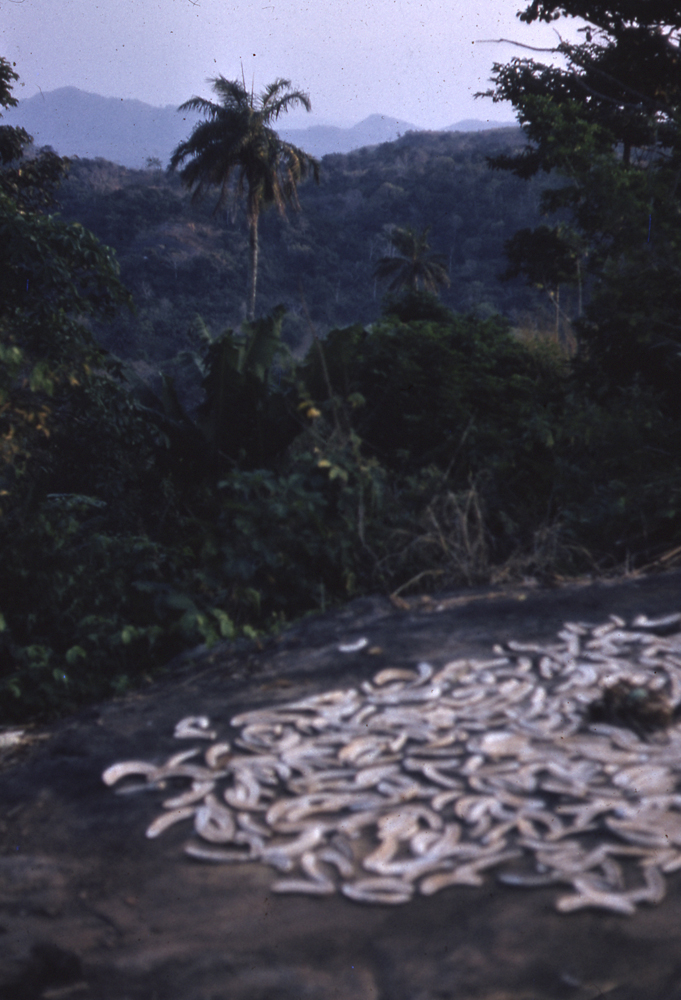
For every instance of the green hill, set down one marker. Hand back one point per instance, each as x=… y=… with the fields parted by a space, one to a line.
x=179 y=260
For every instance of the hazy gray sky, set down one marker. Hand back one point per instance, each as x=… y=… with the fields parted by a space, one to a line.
x=419 y=61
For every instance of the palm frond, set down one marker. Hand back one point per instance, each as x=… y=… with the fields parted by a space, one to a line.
x=414 y=263
x=208 y=108
x=235 y=149
x=230 y=92
x=272 y=89
x=391 y=267
x=283 y=104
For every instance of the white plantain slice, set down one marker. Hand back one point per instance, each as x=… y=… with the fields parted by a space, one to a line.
x=194 y=727
x=126 y=768
x=168 y=819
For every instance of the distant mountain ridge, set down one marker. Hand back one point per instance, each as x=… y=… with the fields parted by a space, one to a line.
x=319 y=140
x=124 y=131
x=77 y=123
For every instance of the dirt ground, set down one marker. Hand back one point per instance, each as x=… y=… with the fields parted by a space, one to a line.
x=91 y=909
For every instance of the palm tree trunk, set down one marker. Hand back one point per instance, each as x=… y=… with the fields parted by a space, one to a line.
x=253 y=246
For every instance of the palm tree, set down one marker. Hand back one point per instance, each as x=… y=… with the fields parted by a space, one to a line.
x=414 y=264
x=236 y=143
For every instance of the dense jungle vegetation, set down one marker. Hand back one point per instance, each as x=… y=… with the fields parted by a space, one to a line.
x=181 y=260
x=343 y=442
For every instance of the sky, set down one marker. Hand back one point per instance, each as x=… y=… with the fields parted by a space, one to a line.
x=417 y=60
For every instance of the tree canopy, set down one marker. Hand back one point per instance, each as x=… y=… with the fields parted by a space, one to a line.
x=607 y=126
x=413 y=264
x=427 y=446
x=53 y=277
x=178 y=259
x=237 y=143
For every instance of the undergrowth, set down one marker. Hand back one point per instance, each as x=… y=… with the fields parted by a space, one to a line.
x=522 y=478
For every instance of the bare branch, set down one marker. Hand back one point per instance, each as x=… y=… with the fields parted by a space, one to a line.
x=509 y=41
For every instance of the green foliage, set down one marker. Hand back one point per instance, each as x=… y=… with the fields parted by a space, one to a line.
x=462 y=397
x=425 y=382
x=240 y=418
x=236 y=150
x=278 y=534
x=385 y=489
x=234 y=488
x=608 y=124
x=548 y=256
x=412 y=264
x=618 y=476
x=53 y=277
x=84 y=610
x=414 y=305
x=30 y=182
x=179 y=260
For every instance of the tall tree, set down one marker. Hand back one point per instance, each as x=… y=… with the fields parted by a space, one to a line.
x=31 y=182
x=413 y=265
x=609 y=126
x=53 y=277
x=236 y=150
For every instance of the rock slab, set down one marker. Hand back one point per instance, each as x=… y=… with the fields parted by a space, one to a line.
x=89 y=908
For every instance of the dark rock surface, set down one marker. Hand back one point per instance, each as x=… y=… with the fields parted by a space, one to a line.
x=89 y=908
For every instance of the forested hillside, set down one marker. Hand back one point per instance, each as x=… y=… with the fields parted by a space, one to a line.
x=420 y=443
x=179 y=260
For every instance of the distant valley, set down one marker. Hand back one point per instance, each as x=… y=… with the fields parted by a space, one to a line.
x=128 y=132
